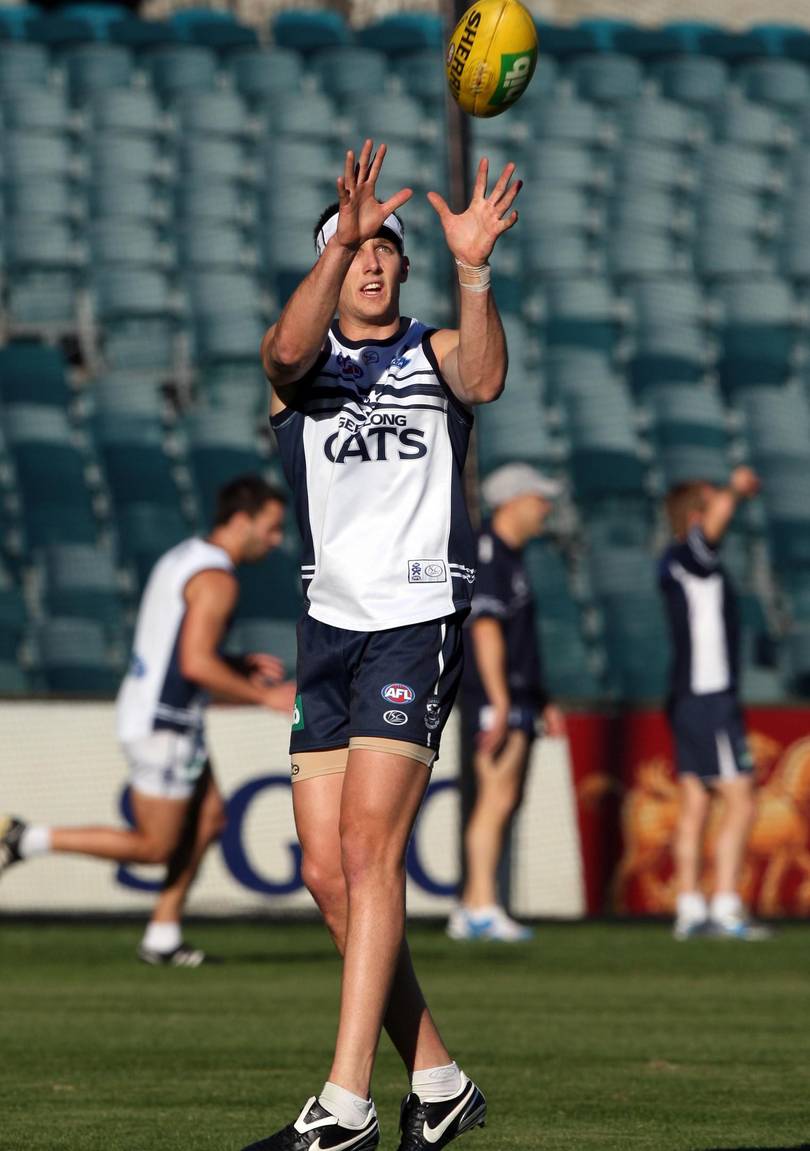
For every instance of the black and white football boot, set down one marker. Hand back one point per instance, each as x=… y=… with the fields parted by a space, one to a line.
x=315 y=1127
x=428 y=1126
x=10 y=835
x=182 y=956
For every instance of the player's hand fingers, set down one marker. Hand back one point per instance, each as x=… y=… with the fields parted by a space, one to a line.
x=480 y=186
x=376 y=164
x=396 y=201
x=507 y=222
x=501 y=183
x=440 y=206
x=508 y=198
x=348 y=171
x=364 y=160
x=343 y=195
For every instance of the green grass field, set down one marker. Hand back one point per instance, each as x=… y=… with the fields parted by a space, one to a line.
x=592 y=1037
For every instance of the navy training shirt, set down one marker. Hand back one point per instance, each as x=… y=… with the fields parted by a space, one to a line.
x=702 y=609
x=503 y=592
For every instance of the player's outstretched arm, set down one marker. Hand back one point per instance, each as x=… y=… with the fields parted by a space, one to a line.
x=722 y=503
x=474 y=358
x=292 y=345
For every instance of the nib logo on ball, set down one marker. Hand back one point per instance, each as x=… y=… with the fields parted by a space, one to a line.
x=491 y=56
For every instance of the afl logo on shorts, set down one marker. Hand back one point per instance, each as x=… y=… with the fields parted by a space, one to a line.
x=397 y=718
x=398 y=693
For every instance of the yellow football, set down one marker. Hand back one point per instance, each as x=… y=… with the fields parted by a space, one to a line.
x=491 y=56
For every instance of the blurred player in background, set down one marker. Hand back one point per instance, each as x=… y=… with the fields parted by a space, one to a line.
x=712 y=755
x=503 y=693
x=372 y=414
x=184 y=614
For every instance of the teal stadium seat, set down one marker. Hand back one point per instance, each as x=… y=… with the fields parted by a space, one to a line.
x=93 y=68
x=127 y=111
x=606 y=77
x=213 y=244
x=81 y=581
x=391 y=117
x=662 y=121
x=74 y=658
x=178 y=69
x=36 y=108
x=51 y=476
x=222 y=444
x=22 y=65
x=118 y=195
x=782 y=83
x=117 y=157
x=31 y=196
x=272 y=636
x=213 y=113
x=688 y=414
x=752 y=125
x=264 y=74
x=314 y=118
x=695 y=80
x=581 y=313
x=145 y=531
x=32 y=373
x=759 y=333
x=213 y=201
x=136 y=464
x=212 y=28
x=403 y=32
x=343 y=72
x=309 y=31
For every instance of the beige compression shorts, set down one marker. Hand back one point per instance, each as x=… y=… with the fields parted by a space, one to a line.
x=311 y=764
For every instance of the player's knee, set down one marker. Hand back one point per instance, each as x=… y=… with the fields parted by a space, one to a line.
x=365 y=854
x=323 y=881
x=156 y=851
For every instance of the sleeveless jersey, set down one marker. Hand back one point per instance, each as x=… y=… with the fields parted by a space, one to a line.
x=154 y=693
x=373 y=445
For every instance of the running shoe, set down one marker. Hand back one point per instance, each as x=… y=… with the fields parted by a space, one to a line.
x=690 y=929
x=182 y=956
x=486 y=923
x=739 y=927
x=428 y=1126
x=11 y=830
x=317 y=1127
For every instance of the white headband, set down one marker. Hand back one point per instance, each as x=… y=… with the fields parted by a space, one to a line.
x=330 y=227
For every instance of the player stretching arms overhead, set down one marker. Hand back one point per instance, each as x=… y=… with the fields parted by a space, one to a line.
x=372 y=415
x=184 y=613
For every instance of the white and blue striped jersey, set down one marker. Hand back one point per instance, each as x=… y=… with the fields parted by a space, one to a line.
x=703 y=619
x=154 y=693
x=373 y=445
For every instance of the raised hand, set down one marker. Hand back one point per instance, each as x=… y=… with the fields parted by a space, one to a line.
x=471 y=235
x=361 y=215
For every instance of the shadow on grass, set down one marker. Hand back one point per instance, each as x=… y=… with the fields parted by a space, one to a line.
x=795 y=1147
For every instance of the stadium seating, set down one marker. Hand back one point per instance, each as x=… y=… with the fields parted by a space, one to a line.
x=160 y=184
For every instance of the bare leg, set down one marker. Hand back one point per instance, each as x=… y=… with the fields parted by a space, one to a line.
x=159 y=826
x=692 y=815
x=735 y=823
x=499 y=786
x=408 y=1021
x=206 y=824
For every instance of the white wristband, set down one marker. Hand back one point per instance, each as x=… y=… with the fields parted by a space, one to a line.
x=474 y=278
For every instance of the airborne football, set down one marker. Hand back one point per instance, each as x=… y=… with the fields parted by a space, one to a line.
x=491 y=56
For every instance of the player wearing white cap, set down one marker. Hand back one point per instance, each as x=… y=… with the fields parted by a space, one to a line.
x=372 y=412
x=503 y=693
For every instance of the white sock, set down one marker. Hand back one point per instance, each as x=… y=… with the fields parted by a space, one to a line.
x=349 y=1109
x=35 y=841
x=162 y=937
x=726 y=905
x=437 y=1083
x=480 y=913
x=691 y=907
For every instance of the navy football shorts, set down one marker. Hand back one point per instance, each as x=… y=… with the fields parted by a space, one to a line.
x=709 y=733
x=522 y=717
x=398 y=684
